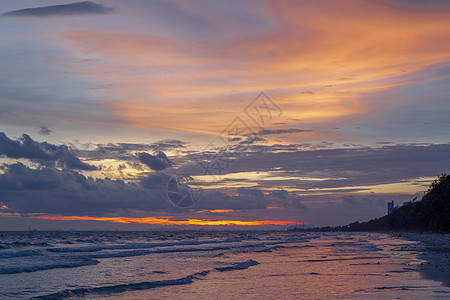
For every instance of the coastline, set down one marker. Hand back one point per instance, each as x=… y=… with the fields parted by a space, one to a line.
x=434 y=248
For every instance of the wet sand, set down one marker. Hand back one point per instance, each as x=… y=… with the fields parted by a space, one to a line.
x=434 y=249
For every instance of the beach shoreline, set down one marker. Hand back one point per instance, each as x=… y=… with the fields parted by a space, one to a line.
x=434 y=249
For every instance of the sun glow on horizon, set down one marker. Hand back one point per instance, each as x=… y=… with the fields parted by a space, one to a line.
x=165 y=221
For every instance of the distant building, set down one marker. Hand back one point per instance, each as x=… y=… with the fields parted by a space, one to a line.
x=390 y=207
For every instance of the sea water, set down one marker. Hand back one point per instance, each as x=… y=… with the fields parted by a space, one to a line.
x=210 y=265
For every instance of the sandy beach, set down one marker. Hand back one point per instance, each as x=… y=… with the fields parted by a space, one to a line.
x=434 y=250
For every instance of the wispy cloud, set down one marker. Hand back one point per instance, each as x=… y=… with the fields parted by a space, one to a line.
x=169 y=85
x=281 y=131
x=71 y=9
x=44 y=130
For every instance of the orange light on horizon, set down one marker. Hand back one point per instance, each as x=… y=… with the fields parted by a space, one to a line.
x=217 y=211
x=159 y=221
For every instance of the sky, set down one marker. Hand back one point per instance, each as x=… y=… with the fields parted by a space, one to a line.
x=153 y=115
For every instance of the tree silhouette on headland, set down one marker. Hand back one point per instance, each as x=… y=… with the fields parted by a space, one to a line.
x=430 y=214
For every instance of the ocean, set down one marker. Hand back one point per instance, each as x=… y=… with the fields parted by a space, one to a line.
x=211 y=265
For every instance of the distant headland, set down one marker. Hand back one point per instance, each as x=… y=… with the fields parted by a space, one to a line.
x=430 y=214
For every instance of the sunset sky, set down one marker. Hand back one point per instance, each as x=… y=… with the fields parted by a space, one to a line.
x=272 y=112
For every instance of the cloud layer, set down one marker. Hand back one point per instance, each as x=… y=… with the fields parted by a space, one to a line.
x=354 y=110
x=72 y=9
x=44 y=153
x=67 y=192
x=155 y=162
x=276 y=181
x=389 y=48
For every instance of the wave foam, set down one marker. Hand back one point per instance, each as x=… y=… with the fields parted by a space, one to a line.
x=72 y=263
x=239 y=266
x=10 y=254
x=142 y=285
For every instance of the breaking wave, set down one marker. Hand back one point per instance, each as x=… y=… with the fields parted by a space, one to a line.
x=113 y=289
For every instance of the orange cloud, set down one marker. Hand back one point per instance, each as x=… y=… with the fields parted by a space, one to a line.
x=168 y=221
x=217 y=211
x=337 y=50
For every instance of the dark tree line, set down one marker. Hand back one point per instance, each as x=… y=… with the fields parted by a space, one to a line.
x=430 y=214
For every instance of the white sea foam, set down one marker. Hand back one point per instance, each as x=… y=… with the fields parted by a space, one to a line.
x=10 y=254
x=114 y=289
x=47 y=265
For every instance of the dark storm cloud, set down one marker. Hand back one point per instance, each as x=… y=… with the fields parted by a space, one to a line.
x=44 y=130
x=339 y=168
x=67 y=192
x=43 y=153
x=286 y=199
x=155 y=162
x=157 y=180
x=245 y=199
x=248 y=199
x=349 y=170
x=281 y=194
x=334 y=173
x=18 y=177
x=157 y=146
x=250 y=193
x=126 y=151
x=71 y=9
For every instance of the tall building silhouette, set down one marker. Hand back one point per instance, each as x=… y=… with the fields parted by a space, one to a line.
x=390 y=207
